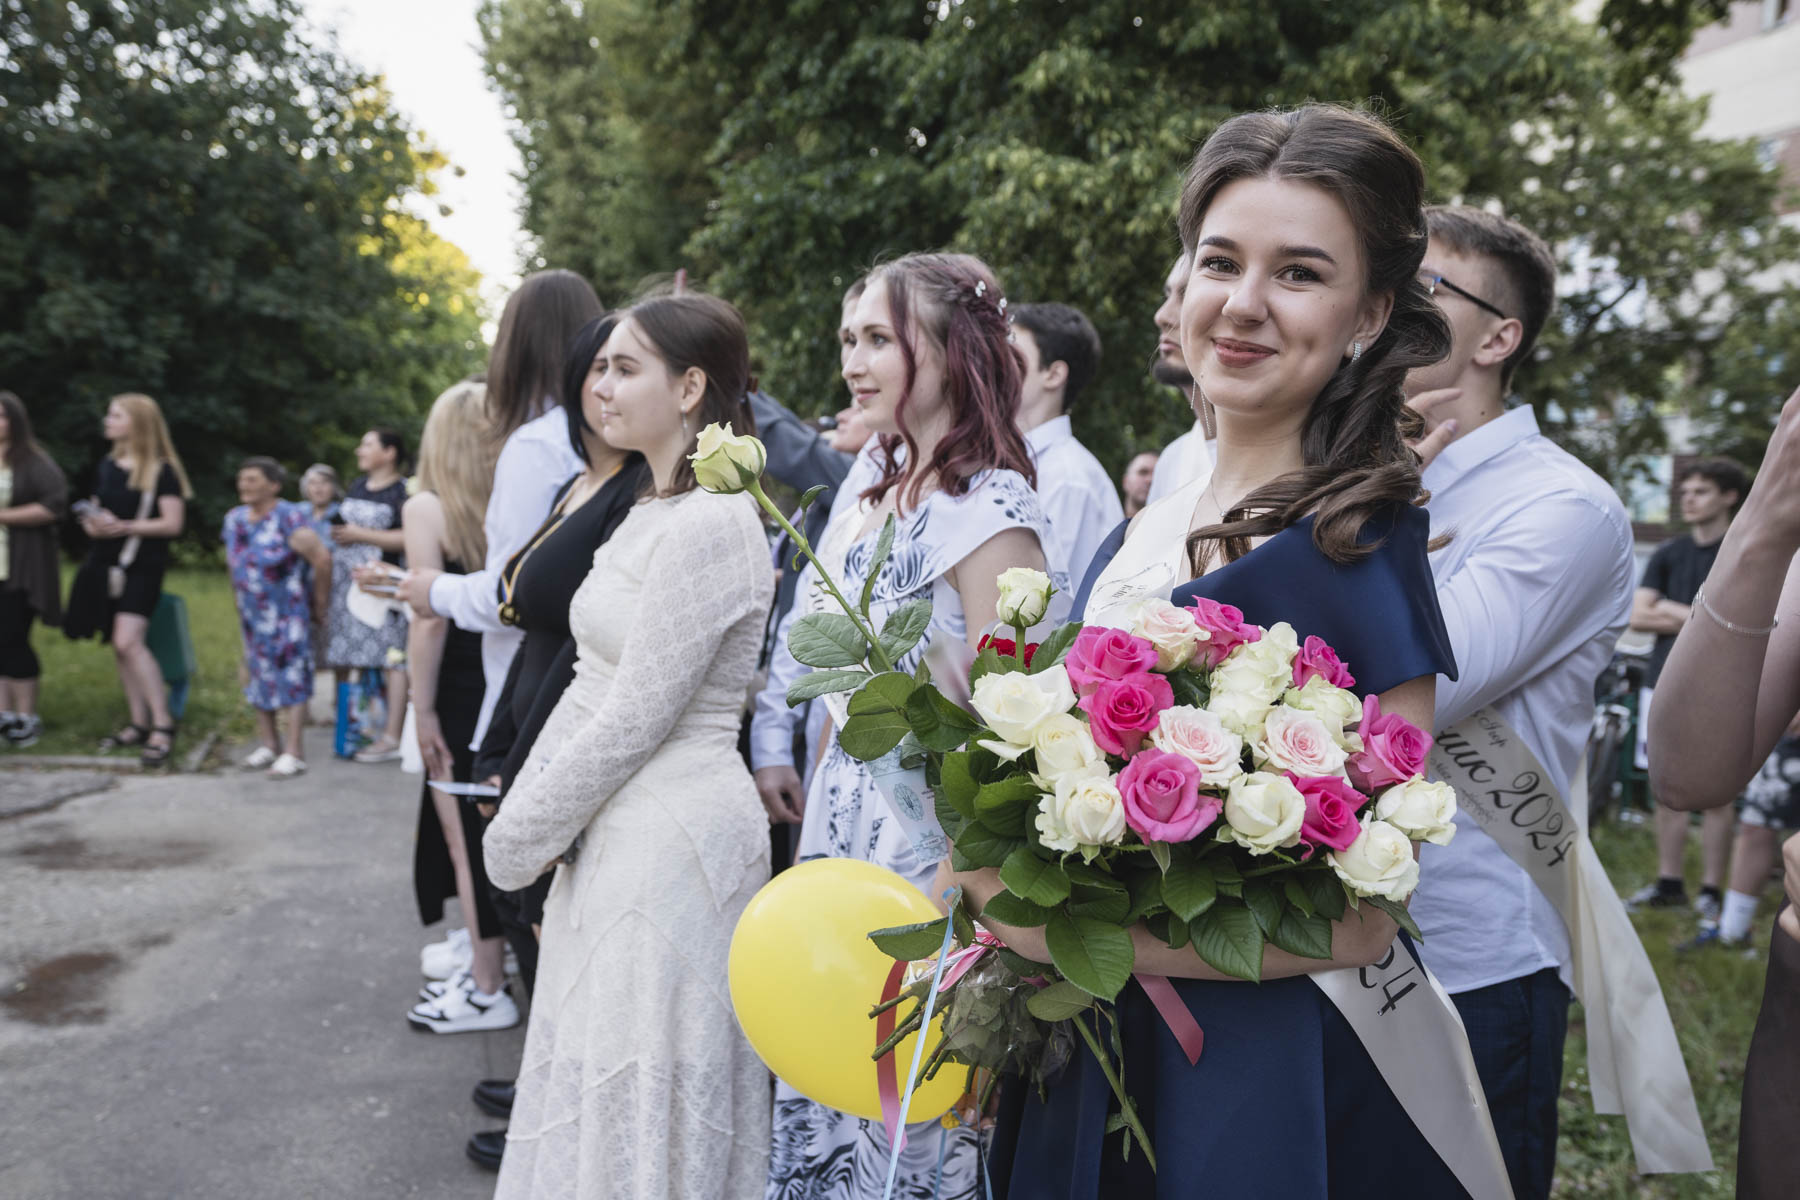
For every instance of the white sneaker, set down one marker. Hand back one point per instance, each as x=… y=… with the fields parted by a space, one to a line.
x=437 y=987
x=287 y=766
x=258 y=758
x=441 y=960
x=457 y=1011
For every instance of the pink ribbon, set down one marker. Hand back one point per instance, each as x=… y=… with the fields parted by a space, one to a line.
x=1175 y=1014
x=887 y=1079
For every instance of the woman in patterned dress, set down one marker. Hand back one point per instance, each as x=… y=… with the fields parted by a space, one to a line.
x=269 y=547
x=368 y=533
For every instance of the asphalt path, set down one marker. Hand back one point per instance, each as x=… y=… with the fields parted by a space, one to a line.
x=203 y=981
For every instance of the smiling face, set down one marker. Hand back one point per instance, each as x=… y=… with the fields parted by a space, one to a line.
x=876 y=368
x=115 y=426
x=1276 y=298
x=641 y=402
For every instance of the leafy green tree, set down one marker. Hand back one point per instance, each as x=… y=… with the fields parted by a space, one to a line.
x=203 y=206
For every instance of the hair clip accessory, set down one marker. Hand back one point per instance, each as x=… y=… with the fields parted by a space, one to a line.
x=980 y=288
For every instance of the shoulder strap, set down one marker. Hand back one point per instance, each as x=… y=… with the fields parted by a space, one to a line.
x=1153 y=558
x=128 y=552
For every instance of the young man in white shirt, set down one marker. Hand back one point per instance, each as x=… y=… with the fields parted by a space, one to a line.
x=1535 y=587
x=1190 y=455
x=1061 y=350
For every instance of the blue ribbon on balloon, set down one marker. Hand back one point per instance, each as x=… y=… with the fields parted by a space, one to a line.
x=898 y=1134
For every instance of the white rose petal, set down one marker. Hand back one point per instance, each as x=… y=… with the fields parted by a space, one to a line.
x=1065 y=746
x=1171 y=630
x=725 y=462
x=1263 y=812
x=1200 y=737
x=1421 y=809
x=1083 y=813
x=1024 y=597
x=1333 y=705
x=1297 y=741
x=1241 y=712
x=1013 y=704
x=1378 y=863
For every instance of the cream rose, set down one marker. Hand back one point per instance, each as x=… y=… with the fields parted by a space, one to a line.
x=1421 y=809
x=1378 y=863
x=1083 y=811
x=1171 y=630
x=1241 y=709
x=1013 y=704
x=1272 y=655
x=1263 y=812
x=1333 y=705
x=1297 y=741
x=724 y=462
x=1064 y=747
x=1024 y=597
x=1200 y=737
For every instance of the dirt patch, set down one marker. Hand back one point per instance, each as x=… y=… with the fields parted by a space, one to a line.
x=71 y=853
x=69 y=990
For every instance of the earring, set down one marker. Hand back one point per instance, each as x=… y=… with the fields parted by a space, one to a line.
x=685 y=431
x=1355 y=351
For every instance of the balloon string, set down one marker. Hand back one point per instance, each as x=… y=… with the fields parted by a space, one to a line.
x=898 y=1138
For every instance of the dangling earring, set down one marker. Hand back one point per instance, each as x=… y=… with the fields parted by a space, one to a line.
x=685 y=431
x=1355 y=351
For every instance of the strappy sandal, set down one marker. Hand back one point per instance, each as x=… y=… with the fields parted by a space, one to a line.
x=119 y=741
x=156 y=756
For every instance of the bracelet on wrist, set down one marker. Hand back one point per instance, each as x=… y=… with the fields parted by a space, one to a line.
x=1701 y=605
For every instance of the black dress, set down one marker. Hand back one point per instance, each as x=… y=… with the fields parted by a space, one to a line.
x=90 y=609
x=459 y=688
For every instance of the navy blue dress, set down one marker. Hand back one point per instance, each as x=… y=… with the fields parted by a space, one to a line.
x=1284 y=1102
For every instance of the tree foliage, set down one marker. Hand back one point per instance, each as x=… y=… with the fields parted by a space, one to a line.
x=1049 y=138
x=203 y=206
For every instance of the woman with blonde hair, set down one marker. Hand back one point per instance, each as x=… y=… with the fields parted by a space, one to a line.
x=443 y=524
x=138 y=507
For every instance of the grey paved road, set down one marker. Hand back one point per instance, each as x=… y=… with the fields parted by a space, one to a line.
x=202 y=988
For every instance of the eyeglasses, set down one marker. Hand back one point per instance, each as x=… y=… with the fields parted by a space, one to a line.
x=1434 y=281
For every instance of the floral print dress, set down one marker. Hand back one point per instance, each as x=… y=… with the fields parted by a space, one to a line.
x=270 y=580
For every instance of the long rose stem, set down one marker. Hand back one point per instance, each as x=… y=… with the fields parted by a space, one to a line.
x=768 y=506
x=1126 y=1108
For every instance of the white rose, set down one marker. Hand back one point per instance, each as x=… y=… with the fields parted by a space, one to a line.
x=1263 y=812
x=1378 y=863
x=1064 y=746
x=724 y=462
x=1272 y=655
x=1421 y=809
x=1170 y=629
x=1024 y=597
x=1297 y=741
x=1241 y=710
x=1332 y=705
x=1013 y=704
x=1200 y=737
x=1083 y=811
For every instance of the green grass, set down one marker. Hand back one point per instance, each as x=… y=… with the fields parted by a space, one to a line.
x=80 y=699
x=1713 y=995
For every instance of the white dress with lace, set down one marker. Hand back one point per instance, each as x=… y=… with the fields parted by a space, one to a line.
x=636 y=1081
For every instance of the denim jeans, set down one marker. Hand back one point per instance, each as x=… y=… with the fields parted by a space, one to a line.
x=1516 y=1030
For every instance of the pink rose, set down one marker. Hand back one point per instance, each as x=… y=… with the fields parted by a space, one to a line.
x=1331 y=806
x=1394 y=749
x=1162 y=797
x=1121 y=711
x=1320 y=660
x=1224 y=627
x=1099 y=654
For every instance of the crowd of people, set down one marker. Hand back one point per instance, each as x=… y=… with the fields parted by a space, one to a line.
x=578 y=626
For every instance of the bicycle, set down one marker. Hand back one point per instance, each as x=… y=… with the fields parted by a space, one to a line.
x=1613 y=773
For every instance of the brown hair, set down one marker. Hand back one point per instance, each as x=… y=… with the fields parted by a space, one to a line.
x=697 y=331
x=1354 y=440
x=21 y=443
x=150 y=445
x=1723 y=473
x=1524 y=270
x=526 y=365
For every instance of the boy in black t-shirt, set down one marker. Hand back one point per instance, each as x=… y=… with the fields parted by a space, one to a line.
x=1710 y=491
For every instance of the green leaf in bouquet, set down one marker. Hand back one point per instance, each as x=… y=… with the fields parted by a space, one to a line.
x=1008 y=909
x=1190 y=687
x=1055 y=648
x=1159 y=851
x=877 y=719
x=1091 y=876
x=939 y=723
x=1296 y=896
x=1227 y=937
x=1397 y=911
x=1226 y=876
x=1145 y=888
x=1037 y=880
x=962 y=920
x=1008 y=804
x=922 y=672
x=1189 y=888
x=952 y=821
x=1325 y=890
x=827 y=640
x=987 y=662
x=1058 y=1002
x=884 y=544
x=984 y=847
x=1018 y=964
x=822 y=683
x=1309 y=937
x=1179 y=933
x=904 y=627
x=813 y=493
x=1103 y=904
x=985 y=765
x=1095 y=956
x=1263 y=899
x=909 y=943
x=955 y=785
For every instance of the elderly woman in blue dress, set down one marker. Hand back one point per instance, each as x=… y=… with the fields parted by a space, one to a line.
x=281 y=574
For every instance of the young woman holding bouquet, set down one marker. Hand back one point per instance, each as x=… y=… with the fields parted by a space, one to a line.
x=934 y=375
x=636 y=1080
x=1302 y=316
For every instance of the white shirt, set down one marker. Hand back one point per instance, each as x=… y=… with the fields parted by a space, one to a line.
x=1535 y=587
x=1077 y=494
x=535 y=461
x=1187 y=458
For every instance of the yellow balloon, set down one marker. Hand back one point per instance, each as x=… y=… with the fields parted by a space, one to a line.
x=804 y=976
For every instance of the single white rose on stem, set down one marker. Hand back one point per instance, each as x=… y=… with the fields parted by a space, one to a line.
x=1172 y=630
x=1299 y=742
x=1024 y=597
x=1013 y=704
x=1065 y=747
x=1423 y=810
x=1263 y=812
x=725 y=462
x=1084 y=813
x=1378 y=863
x=1200 y=737
x=1335 y=706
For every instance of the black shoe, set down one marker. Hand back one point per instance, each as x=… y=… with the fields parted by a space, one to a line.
x=1657 y=895
x=494 y=1097
x=485 y=1148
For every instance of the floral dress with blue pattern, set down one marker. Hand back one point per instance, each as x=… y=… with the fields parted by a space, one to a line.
x=270 y=580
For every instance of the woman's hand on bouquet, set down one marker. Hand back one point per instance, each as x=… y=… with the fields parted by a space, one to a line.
x=783 y=796
x=415 y=588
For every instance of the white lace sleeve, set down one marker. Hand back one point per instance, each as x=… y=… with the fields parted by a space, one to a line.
x=709 y=571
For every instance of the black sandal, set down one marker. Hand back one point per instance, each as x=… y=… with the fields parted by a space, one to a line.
x=118 y=741
x=156 y=756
